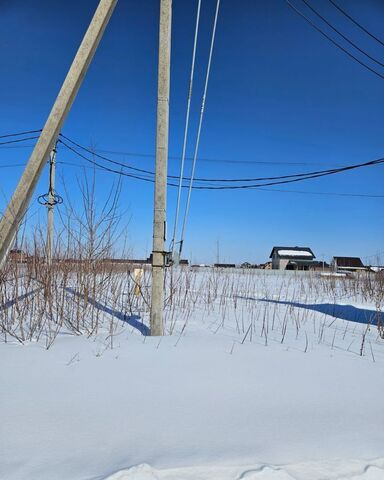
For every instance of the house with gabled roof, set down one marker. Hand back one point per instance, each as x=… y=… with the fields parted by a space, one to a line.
x=292 y=258
x=350 y=264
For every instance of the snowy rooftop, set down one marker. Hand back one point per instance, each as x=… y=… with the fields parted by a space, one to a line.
x=294 y=253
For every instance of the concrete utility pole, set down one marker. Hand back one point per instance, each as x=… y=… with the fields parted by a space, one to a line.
x=159 y=219
x=17 y=207
x=51 y=204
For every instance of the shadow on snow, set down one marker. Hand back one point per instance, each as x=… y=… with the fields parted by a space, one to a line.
x=9 y=303
x=344 y=312
x=133 y=320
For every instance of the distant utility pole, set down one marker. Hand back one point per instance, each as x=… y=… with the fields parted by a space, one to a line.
x=18 y=205
x=217 y=251
x=51 y=204
x=159 y=216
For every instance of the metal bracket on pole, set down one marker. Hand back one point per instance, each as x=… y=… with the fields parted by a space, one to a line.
x=167 y=258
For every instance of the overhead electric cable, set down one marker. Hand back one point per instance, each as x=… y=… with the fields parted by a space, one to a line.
x=298 y=176
x=182 y=163
x=246 y=187
x=103 y=167
x=333 y=41
x=77 y=165
x=337 y=194
x=356 y=23
x=16 y=146
x=232 y=180
x=300 y=179
x=341 y=34
x=149 y=172
x=28 y=132
x=18 y=140
x=186 y=213
x=13 y=165
x=102 y=157
x=149 y=155
x=204 y=159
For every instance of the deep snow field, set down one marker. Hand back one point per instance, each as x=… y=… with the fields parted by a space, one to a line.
x=261 y=376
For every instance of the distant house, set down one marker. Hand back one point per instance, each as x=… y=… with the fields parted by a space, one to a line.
x=377 y=268
x=181 y=262
x=17 y=255
x=246 y=265
x=292 y=258
x=249 y=265
x=224 y=265
x=266 y=266
x=320 y=266
x=350 y=264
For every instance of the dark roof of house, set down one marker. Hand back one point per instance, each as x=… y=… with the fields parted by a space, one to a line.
x=306 y=249
x=320 y=263
x=349 y=262
x=224 y=265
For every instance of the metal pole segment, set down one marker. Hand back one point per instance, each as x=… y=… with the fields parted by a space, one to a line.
x=17 y=206
x=51 y=204
x=158 y=254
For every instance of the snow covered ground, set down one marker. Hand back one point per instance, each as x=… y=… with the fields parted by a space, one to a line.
x=259 y=380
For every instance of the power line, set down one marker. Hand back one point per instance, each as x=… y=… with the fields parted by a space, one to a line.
x=94 y=151
x=356 y=22
x=111 y=170
x=149 y=173
x=79 y=165
x=338 y=194
x=103 y=167
x=28 y=132
x=175 y=157
x=204 y=159
x=333 y=41
x=186 y=126
x=235 y=187
x=16 y=146
x=18 y=140
x=187 y=206
x=234 y=180
x=13 y=165
x=283 y=178
x=300 y=179
x=341 y=34
x=103 y=157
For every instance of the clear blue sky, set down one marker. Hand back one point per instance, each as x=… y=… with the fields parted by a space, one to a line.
x=279 y=93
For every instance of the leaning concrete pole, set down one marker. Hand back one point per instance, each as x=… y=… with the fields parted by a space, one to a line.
x=158 y=254
x=16 y=208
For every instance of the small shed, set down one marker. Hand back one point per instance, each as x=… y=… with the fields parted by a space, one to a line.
x=292 y=258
